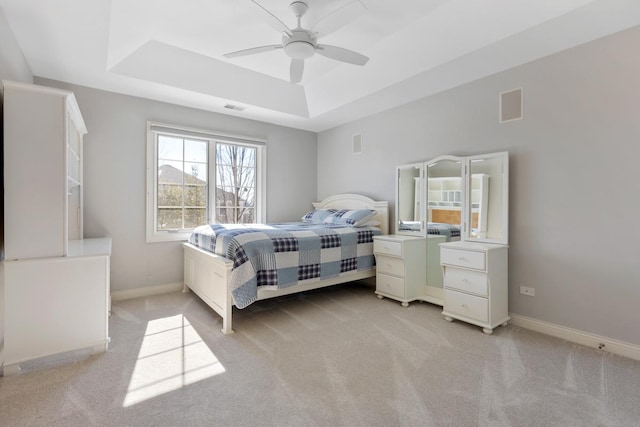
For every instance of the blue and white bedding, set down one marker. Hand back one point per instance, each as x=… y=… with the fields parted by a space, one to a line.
x=283 y=255
x=452 y=231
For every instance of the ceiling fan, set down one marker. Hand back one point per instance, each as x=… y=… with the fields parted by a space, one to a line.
x=300 y=43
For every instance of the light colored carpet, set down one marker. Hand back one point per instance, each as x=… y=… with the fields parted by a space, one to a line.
x=337 y=357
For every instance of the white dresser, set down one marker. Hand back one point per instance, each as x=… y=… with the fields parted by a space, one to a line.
x=57 y=304
x=401 y=271
x=475 y=283
x=56 y=284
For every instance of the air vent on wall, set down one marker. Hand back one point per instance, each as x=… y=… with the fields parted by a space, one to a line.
x=357 y=144
x=511 y=105
x=234 y=107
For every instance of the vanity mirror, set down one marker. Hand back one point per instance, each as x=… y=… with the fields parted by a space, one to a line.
x=409 y=200
x=448 y=202
x=487 y=211
x=445 y=196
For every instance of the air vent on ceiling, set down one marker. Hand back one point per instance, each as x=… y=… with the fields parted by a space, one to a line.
x=357 y=144
x=511 y=105
x=234 y=107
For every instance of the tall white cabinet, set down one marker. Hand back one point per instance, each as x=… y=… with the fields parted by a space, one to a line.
x=56 y=284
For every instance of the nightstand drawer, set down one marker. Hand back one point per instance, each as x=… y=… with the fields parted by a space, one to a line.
x=387 y=247
x=390 y=285
x=466 y=280
x=465 y=305
x=462 y=258
x=390 y=265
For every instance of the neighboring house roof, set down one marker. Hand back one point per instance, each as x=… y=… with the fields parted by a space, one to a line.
x=168 y=174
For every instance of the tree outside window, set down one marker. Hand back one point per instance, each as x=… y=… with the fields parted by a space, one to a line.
x=235 y=184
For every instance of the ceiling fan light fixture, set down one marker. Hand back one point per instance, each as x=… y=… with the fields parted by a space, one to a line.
x=299 y=49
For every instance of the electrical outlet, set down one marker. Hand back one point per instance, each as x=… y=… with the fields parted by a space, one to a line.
x=525 y=290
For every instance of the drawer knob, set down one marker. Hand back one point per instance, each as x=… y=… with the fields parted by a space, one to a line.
x=464 y=305
x=463 y=259
x=465 y=280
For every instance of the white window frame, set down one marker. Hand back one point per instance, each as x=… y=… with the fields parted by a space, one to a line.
x=155 y=128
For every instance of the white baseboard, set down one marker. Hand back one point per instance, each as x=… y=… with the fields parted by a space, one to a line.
x=621 y=348
x=145 y=292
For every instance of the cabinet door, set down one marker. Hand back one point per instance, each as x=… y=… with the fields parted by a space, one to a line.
x=55 y=305
x=34 y=173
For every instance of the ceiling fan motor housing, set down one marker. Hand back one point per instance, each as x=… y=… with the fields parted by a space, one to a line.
x=299 y=8
x=300 y=45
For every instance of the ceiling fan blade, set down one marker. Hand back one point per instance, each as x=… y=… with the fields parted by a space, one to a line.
x=252 y=50
x=296 y=70
x=274 y=22
x=338 y=18
x=341 y=54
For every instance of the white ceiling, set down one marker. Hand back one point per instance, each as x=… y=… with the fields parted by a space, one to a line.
x=172 y=50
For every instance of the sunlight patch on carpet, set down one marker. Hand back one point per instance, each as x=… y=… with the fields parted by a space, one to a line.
x=172 y=355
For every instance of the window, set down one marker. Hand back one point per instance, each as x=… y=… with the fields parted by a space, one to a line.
x=196 y=177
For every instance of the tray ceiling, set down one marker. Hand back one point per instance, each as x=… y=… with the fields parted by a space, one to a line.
x=172 y=51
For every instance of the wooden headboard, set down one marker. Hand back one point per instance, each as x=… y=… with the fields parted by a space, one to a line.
x=449 y=216
x=356 y=201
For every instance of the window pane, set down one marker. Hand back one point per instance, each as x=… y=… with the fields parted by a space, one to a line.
x=169 y=195
x=250 y=197
x=195 y=196
x=170 y=148
x=195 y=217
x=195 y=151
x=248 y=215
x=235 y=182
x=182 y=183
x=170 y=172
x=169 y=219
x=224 y=215
x=195 y=173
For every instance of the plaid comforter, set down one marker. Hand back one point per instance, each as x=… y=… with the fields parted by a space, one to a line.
x=283 y=255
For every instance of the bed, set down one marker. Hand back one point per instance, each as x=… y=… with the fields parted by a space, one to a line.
x=216 y=267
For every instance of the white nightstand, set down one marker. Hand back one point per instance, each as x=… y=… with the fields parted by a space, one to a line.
x=475 y=283
x=401 y=270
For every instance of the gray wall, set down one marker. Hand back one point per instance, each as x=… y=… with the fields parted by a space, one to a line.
x=13 y=65
x=574 y=191
x=115 y=177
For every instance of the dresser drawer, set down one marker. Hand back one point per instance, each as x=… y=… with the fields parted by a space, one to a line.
x=461 y=258
x=387 y=247
x=466 y=280
x=465 y=305
x=390 y=285
x=390 y=265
